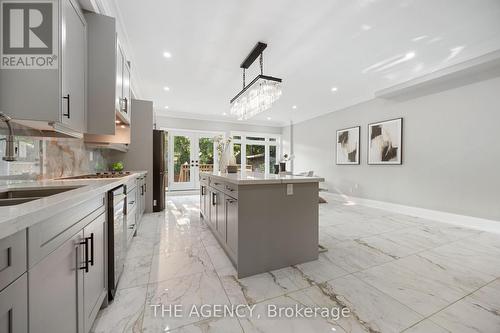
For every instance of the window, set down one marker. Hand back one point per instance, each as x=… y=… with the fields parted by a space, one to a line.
x=256 y=152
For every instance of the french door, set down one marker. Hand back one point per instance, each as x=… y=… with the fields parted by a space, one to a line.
x=190 y=153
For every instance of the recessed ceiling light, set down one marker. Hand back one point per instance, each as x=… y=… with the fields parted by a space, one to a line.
x=166 y=88
x=224 y=113
x=294 y=106
x=268 y=118
x=366 y=27
x=167 y=55
x=166 y=107
x=334 y=89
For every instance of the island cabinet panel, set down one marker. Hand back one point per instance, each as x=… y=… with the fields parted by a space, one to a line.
x=14 y=307
x=263 y=223
x=221 y=217
x=213 y=208
x=204 y=201
x=231 y=216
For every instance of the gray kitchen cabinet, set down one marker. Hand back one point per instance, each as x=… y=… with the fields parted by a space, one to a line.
x=123 y=92
x=231 y=217
x=56 y=289
x=52 y=98
x=74 y=60
x=221 y=217
x=94 y=281
x=69 y=281
x=102 y=73
x=12 y=258
x=204 y=201
x=14 y=307
x=214 y=196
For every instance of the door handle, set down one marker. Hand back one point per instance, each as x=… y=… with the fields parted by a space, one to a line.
x=67 y=98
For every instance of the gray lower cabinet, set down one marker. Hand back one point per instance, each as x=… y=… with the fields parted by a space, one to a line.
x=56 y=289
x=68 y=286
x=94 y=281
x=204 y=201
x=231 y=216
x=221 y=217
x=14 y=307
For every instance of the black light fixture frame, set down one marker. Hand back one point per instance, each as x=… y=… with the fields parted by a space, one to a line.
x=247 y=62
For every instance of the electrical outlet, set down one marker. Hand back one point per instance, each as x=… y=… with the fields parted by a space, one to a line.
x=289 y=189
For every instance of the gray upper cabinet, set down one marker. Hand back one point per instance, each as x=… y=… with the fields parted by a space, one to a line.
x=52 y=97
x=123 y=92
x=103 y=88
x=74 y=67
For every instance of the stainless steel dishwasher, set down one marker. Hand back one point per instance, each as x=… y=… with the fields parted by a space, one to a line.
x=116 y=250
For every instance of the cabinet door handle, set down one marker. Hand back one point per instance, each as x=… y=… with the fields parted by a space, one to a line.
x=214 y=199
x=67 y=98
x=203 y=190
x=131 y=202
x=125 y=108
x=85 y=266
x=91 y=249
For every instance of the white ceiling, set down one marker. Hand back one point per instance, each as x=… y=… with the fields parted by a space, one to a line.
x=357 y=46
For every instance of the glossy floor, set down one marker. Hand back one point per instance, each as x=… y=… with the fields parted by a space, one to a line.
x=389 y=272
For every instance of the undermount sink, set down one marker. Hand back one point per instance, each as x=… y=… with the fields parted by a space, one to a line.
x=21 y=195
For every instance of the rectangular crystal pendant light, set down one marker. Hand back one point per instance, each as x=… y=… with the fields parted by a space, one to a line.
x=260 y=94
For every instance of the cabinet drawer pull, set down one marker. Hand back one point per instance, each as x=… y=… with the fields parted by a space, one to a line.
x=203 y=190
x=67 y=114
x=214 y=199
x=91 y=249
x=125 y=108
x=85 y=266
x=131 y=202
x=229 y=188
x=216 y=183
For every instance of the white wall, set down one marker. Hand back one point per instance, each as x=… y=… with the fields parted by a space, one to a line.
x=451 y=151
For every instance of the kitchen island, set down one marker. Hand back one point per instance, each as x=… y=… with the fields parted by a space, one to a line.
x=262 y=221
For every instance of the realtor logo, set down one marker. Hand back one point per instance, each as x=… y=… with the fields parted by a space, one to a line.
x=28 y=34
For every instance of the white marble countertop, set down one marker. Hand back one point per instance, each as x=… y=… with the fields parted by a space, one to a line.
x=18 y=217
x=254 y=178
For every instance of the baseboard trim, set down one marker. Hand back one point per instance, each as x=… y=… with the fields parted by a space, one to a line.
x=440 y=216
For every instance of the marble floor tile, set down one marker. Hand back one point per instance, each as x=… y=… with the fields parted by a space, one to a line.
x=174 y=264
x=124 y=314
x=387 y=246
x=478 y=312
x=370 y=309
x=420 y=283
x=135 y=272
x=353 y=256
x=187 y=291
x=426 y=326
x=263 y=318
x=141 y=247
x=218 y=257
x=260 y=287
x=214 y=325
x=320 y=270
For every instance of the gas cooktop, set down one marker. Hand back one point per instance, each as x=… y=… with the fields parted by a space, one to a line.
x=100 y=175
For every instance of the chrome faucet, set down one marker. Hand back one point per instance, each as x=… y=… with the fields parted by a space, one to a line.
x=10 y=150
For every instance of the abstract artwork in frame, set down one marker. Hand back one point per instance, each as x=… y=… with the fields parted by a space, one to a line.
x=385 y=142
x=348 y=146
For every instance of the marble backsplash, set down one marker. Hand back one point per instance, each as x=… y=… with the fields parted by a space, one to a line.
x=47 y=158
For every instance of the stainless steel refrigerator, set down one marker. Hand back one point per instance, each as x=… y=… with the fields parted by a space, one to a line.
x=159 y=170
